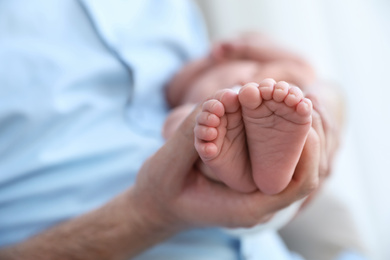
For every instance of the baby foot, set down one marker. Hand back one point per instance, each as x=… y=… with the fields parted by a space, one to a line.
x=277 y=120
x=220 y=141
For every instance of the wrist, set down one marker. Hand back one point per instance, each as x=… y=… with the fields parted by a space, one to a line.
x=149 y=219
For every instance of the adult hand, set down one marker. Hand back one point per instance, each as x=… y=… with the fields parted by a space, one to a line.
x=328 y=122
x=169 y=195
x=171 y=192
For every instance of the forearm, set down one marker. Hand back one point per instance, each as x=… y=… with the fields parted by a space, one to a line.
x=118 y=230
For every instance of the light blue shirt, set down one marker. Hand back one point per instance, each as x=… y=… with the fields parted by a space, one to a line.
x=81 y=108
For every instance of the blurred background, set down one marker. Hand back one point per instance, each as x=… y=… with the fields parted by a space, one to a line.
x=348 y=42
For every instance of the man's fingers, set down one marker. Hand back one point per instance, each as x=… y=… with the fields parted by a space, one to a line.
x=325 y=124
x=318 y=127
x=305 y=179
x=178 y=155
x=217 y=204
x=306 y=175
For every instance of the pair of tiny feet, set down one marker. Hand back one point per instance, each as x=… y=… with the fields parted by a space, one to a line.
x=252 y=140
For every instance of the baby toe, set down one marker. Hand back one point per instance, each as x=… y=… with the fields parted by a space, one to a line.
x=205 y=133
x=305 y=107
x=208 y=119
x=249 y=96
x=281 y=91
x=294 y=96
x=266 y=88
x=214 y=106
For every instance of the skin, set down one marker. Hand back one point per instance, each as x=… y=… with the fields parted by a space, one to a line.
x=280 y=64
x=262 y=58
x=162 y=203
x=178 y=87
x=275 y=61
x=277 y=120
x=255 y=57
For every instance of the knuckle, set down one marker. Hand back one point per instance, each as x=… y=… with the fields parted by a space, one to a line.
x=310 y=186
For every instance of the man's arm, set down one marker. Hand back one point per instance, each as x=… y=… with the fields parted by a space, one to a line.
x=127 y=225
x=168 y=196
x=120 y=229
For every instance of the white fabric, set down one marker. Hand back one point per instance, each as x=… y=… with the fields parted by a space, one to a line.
x=279 y=220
